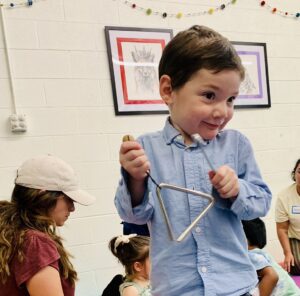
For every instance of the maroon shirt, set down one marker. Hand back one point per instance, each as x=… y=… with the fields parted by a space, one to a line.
x=39 y=251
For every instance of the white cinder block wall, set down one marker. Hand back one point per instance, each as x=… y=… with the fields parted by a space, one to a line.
x=62 y=84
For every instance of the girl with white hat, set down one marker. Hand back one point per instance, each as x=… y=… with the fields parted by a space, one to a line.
x=33 y=260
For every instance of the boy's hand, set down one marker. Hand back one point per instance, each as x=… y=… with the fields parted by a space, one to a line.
x=225 y=181
x=133 y=159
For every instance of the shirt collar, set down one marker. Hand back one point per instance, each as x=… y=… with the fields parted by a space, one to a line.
x=171 y=134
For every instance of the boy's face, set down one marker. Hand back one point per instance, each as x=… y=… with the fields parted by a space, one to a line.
x=204 y=104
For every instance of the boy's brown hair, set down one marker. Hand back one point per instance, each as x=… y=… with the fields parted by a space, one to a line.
x=198 y=48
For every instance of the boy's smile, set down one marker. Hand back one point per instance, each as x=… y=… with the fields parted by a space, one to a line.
x=204 y=104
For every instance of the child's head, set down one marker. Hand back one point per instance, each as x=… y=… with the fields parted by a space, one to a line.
x=296 y=172
x=39 y=209
x=194 y=49
x=47 y=187
x=255 y=231
x=200 y=75
x=133 y=252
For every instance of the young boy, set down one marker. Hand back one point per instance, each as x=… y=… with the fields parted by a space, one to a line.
x=200 y=75
x=274 y=280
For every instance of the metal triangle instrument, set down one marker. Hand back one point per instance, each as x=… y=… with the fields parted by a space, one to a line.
x=160 y=186
x=208 y=197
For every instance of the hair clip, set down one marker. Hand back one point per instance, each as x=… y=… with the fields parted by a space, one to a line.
x=124 y=239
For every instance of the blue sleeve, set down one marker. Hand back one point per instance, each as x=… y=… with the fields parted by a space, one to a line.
x=254 y=198
x=140 y=214
x=259 y=260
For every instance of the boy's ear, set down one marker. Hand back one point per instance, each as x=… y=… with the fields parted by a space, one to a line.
x=165 y=88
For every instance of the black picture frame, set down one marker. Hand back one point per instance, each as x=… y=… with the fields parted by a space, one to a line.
x=134 y=55
x=255 y=89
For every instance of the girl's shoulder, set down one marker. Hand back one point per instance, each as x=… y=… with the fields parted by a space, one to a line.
x=288 y=191
x=128 y=290
x=34 y=235
x=132 y=286
x=37 y=241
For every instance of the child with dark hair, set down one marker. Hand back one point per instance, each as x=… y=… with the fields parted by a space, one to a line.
x=200 y=74
x=274 y=280
x=133 y=252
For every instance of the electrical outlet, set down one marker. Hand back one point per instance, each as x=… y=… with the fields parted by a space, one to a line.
x=18 y=123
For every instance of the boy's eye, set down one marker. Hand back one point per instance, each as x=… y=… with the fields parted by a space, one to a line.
x=209 y=95
x=231 y=99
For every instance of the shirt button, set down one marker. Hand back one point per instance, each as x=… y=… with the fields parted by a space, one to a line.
x=203 y=269
x=198 y=229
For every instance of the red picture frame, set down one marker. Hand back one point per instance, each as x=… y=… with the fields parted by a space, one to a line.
x=134 y=54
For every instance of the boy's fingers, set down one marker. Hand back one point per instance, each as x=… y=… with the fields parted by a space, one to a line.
x=134 y=154
x=140 y=161
x=137 y=168
x=135 y=159
x=211 y=174
x=222 y=174
x=127 y=146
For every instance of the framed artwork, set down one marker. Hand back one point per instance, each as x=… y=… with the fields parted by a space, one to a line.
x=254 y=90
x=134 y=54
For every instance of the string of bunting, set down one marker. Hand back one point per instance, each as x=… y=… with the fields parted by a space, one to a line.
x=275 y=10
x=149 y=11
x=19 y=3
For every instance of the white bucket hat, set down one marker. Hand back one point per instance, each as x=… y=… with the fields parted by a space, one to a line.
x=48 y=172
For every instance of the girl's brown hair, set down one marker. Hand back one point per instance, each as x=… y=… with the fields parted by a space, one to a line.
x=29 y=209
x=136 y=250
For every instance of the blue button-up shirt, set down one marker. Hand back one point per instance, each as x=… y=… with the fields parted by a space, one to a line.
x=212 y=260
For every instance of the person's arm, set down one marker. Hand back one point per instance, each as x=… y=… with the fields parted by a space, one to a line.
x=46 y=282
x=137 y=189
x=268 y=280
x=282 y=233
x=135 y=162
x=254 y=196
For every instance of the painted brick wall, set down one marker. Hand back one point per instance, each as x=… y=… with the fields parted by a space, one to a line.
x=62 y=84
